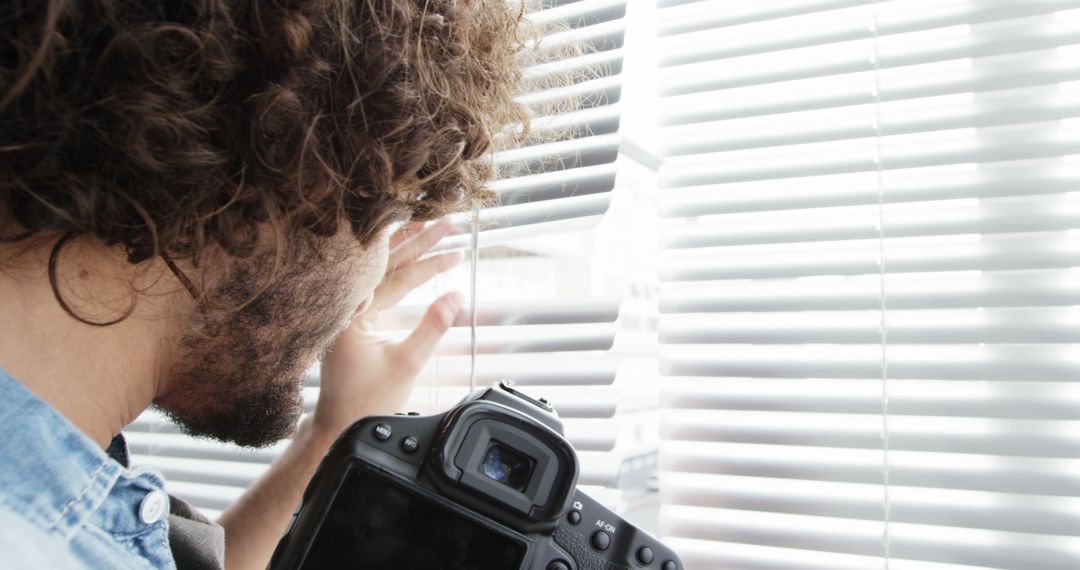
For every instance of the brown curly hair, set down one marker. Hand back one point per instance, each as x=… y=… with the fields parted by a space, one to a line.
x=171 y=127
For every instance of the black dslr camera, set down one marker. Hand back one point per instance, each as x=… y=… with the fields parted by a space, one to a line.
x=489 y=485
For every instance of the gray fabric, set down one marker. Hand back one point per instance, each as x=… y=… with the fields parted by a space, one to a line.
x=196 y=542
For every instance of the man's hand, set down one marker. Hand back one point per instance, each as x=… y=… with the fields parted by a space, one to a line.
x=365 y=374
x=362 y=375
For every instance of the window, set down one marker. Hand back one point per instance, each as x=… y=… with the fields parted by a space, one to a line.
x=868 y=301
x=810 y=269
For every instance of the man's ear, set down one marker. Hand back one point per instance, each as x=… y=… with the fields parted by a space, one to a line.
x=92 y=282
x=97 y=285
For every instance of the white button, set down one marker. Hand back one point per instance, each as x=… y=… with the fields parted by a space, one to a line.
x=153 y=507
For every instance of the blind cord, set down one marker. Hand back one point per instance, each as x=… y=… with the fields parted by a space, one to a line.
x=474 y=256
x=886 y=539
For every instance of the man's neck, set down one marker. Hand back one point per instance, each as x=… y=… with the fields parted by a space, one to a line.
x=99 y=378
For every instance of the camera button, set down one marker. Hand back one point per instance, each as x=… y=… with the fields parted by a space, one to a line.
x=601 y=540
x=410 y=444
x=574 y=517
x=645 y=555
x=669 y=565
x=558 y=565
x=382 y=432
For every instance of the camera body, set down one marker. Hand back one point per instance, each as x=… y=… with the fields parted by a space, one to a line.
x=488 y=485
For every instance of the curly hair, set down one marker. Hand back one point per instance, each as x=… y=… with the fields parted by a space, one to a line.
x=172 y=127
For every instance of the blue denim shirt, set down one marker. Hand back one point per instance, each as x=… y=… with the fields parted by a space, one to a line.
x=64 y=503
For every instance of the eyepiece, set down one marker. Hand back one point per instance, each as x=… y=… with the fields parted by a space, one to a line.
x=506 y=466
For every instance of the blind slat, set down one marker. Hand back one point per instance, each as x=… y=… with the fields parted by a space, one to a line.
x=1025 y=438
x=939 y=470
x=904 y=255
x=998 y=399
x=906 y=291
x=964 y=110
x=959 y=146
x=948 y=182
x=850 y=23
x=511 y=234
x=1014 y=362
x=942 y=44
x=929 y=542
x=710 y=554
x=1045 y=212
x=1045 y=67
x=1036 y=514
x=946 y=326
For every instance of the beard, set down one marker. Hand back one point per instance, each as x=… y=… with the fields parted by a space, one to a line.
x=239 y=373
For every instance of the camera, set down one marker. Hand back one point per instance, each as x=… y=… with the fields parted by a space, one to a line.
x=489 y=485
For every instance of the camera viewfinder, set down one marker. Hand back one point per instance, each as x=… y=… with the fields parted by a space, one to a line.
x=506 y=466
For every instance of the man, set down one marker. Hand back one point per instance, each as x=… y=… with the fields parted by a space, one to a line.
x=198 y=201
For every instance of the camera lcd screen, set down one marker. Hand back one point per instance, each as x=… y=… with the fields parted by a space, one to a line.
x=373 y=524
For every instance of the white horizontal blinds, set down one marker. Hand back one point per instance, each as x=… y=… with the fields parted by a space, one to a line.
x=564 y=299
x=561 y=179
x=796 y=134
x=207 y=474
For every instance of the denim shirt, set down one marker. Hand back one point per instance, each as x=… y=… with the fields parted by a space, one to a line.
x=64 y=503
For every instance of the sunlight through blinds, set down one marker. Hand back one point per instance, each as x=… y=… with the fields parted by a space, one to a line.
x=870 y=284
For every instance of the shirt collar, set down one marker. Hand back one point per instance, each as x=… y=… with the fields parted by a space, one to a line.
x=49 y=470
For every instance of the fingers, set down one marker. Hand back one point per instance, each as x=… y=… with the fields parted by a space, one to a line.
x=418 y=347
x=401 y=282
x=405 y=232
x=412 y=248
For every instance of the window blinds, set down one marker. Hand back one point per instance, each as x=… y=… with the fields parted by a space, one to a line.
x=563 y=310
x=564 y=303
x=869 y=283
